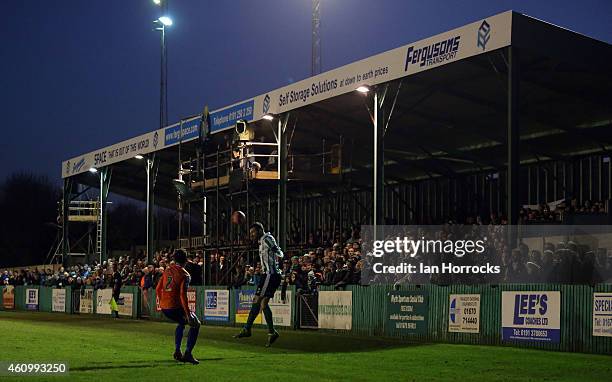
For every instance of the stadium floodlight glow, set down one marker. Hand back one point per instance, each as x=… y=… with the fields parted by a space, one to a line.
x=268 y=117
x=139 y=157
x=165 y=20
x=93 y=170
x=363 y=89
x=157 y=2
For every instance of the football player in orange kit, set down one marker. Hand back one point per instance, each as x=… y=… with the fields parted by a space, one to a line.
x=172 y=293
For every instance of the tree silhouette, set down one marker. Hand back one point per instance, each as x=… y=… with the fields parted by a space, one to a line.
x=28 y=213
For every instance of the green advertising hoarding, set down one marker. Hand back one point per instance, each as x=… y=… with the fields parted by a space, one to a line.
x=407 y=313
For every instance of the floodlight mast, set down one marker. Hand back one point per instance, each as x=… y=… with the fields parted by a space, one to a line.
x=152 y=161
x=316 y=37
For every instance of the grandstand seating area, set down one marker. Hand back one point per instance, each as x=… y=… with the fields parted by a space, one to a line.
x=334 y=258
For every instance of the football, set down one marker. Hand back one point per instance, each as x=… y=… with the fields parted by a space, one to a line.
x=238 y=217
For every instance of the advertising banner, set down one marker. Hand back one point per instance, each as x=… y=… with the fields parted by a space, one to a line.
x=180 y=133
x=531 y=316
x=227 y=118
x=407 y=313
x=244 y=299
x=58 y=300
x=125 y=304
x=142 y=144
x=8 y=297
x=103 y=302
x=602 y=314
x=191 y=299
x=464 y=313
x=336 y=310
x=86 y=305
x=216 y=306
x=281 y=312
x=31 y=299
x=103 y=297
x=473 y=39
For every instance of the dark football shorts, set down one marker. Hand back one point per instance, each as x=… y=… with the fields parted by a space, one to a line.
x=178 y=315
x=268 y=284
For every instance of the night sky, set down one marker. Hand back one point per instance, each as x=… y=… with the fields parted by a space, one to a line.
x=78 y=75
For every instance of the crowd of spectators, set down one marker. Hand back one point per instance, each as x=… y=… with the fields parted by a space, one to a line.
x=326 y=258
x=330 y=259
x=134 y=270
x=552 y=213
x=543 y=255
x=336 y=258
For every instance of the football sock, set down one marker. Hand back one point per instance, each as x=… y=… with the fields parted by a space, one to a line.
x=252 y=316
x=192 y=337
x=178 y=336
x=267 y=312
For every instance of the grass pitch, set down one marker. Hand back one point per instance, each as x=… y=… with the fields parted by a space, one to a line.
x=104 y=349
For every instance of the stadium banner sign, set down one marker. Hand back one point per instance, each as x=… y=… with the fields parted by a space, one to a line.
x=87 y=301
x=407 y=313
x=531 y=316
x=336 y=310
x=103 y=297
x=602 y=314
x=58 y=300
x=479 y=37
x=226 y=118
x=31 y=299
x=125 y=303
x=464 y=313
x=8 y=297
x=188 y=130
x=281 y=311
x=192 y=299
x=216 y=305
x=244 y=299
x=128 y=149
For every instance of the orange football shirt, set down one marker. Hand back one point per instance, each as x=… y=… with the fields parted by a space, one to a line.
x=172 y=288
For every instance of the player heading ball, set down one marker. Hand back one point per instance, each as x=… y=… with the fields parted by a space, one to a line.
x=269 y=254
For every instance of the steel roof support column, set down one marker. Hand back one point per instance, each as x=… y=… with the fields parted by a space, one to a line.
x=379 y=159
x=66 y=198
x=151 y=167
x=105 y=179
x=282 y=181
x=513 y=134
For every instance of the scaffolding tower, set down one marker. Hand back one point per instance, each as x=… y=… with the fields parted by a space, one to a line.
x=79 y=211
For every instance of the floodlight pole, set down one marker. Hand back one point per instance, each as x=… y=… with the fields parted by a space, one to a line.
x=316 y=37
x=513 y=136
x=162 y=85
x=163 y=91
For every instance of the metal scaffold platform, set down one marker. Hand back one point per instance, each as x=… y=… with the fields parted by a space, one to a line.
x=79 y=211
